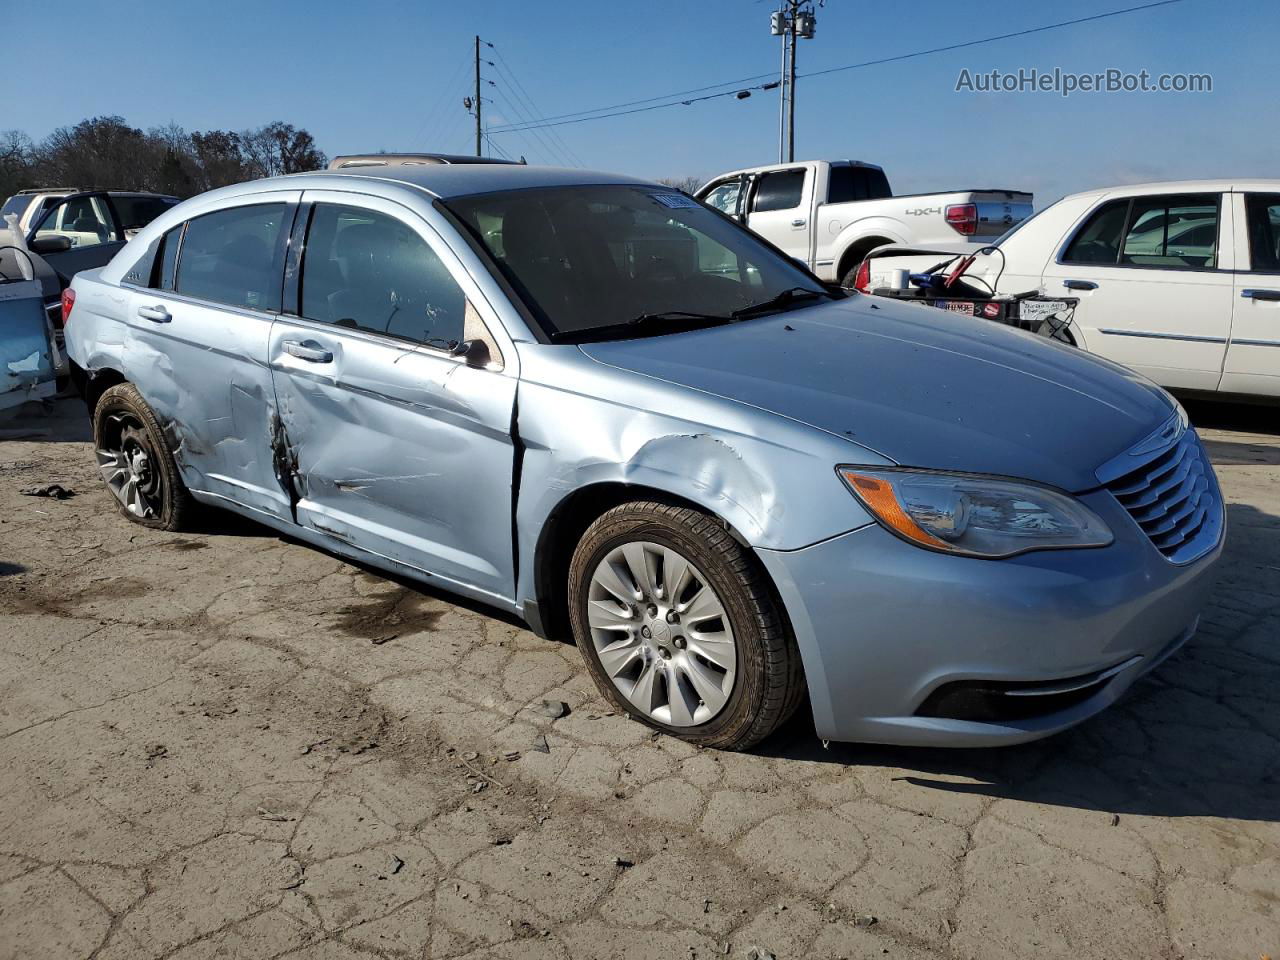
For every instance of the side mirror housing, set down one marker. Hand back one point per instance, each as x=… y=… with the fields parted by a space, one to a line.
x=55 y=243
x=474 y=352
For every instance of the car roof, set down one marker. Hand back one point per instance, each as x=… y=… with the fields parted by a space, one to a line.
x=771 y=167
x=457 y=180
x=1184 y=186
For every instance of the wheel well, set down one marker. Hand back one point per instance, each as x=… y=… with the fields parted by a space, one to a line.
x=855 y=254
x=93 y=384
x=563 y=529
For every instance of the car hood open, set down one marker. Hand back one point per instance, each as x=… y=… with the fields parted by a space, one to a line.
x=922 y=387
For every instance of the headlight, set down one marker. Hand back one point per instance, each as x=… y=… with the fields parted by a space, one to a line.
x=974 y=516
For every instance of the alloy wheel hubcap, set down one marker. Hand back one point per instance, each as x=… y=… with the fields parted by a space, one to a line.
x=127 y=464
x=662 y=634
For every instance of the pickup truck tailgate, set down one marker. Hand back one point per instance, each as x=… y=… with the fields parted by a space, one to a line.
x=998 y=210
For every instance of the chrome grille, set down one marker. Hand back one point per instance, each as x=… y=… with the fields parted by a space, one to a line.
x=1173 y=496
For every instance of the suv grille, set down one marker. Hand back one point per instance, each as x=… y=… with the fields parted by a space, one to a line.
x=1174 y=498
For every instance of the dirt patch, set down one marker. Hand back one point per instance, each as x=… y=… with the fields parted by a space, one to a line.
x=403 y=611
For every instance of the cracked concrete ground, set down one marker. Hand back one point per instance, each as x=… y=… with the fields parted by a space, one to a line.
x=224 y=744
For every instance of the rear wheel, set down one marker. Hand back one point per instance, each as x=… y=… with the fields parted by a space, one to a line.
x=136 y=462
x=679 y=626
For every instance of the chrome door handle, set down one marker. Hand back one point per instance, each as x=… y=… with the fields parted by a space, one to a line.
x=155 y=314
x=307 y=351
x=1260 y=294
x=797 y=223
x=1079 y=284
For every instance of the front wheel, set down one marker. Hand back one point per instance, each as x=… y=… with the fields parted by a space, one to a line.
x=679 y=626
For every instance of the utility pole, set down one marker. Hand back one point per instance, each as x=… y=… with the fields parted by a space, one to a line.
x=794 y=21
x=479 y=129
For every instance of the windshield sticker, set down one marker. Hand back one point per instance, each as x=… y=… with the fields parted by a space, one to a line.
x=673 y=200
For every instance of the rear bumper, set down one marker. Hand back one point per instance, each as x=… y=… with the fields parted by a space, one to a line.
x=905 y=646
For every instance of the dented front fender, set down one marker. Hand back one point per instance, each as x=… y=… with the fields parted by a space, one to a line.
x=582 y=423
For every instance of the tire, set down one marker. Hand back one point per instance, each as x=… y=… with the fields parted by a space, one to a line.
x=767 y=681
x=124 y=426
x=1051 y=332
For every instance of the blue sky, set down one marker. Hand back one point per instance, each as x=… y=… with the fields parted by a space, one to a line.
x=391 y=75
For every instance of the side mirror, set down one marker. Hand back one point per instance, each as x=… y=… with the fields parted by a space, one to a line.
x=474 y=352
x=55 y=243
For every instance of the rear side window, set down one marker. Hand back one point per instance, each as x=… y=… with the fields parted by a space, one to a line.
x=1263 y=217
x=846 y=184
x=1162 y=232
x=370 y=271
x=234 y=257
x=1098 y=241
x=779 y=191
x=1175 y=232
x=136 y=212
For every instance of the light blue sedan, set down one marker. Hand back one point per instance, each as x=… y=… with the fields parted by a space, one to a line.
x=596 y=403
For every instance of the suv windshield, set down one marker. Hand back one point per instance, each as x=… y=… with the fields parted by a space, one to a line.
x=604 y=261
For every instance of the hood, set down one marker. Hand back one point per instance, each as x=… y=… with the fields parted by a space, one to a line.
x=920 y=386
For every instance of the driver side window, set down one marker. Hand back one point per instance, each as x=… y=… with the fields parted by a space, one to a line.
x=727 y=197
x=85 y=221
x=369 y=271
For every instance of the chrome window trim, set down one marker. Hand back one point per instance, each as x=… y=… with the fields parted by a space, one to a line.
x=1088 y=216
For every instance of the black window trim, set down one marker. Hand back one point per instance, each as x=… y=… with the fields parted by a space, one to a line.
x=1248 y=231
x=1061 y=260
x=292 y=278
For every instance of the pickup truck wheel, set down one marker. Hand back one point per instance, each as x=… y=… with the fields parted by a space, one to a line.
x=679 y=626
x=136 y=462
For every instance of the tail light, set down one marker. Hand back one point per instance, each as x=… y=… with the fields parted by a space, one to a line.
x=862 y=279
x=68 y=301
x=963 y=218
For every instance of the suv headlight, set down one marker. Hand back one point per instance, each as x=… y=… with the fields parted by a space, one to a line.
x=974 y=516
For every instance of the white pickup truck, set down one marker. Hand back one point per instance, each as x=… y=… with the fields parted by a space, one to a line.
x=830 y=214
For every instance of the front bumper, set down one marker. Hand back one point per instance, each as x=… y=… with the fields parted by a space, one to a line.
x=886 y=628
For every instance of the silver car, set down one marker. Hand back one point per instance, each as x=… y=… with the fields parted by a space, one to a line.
x=596 y=403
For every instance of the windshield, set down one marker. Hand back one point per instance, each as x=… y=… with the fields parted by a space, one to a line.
x=18 y=204
x=590 y=257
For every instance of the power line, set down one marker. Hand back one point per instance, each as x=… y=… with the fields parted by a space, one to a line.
x=493 y=145
x=504 y=67
x=434 y=117
x=581 y=116
x=545 y=145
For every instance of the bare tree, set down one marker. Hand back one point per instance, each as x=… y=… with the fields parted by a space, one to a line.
x=280 y=148
x=15 y=161
x=687 y=184
x=107 y=152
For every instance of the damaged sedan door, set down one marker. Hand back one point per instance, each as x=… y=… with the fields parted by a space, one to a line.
x=394 y=431
x=197 y=321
